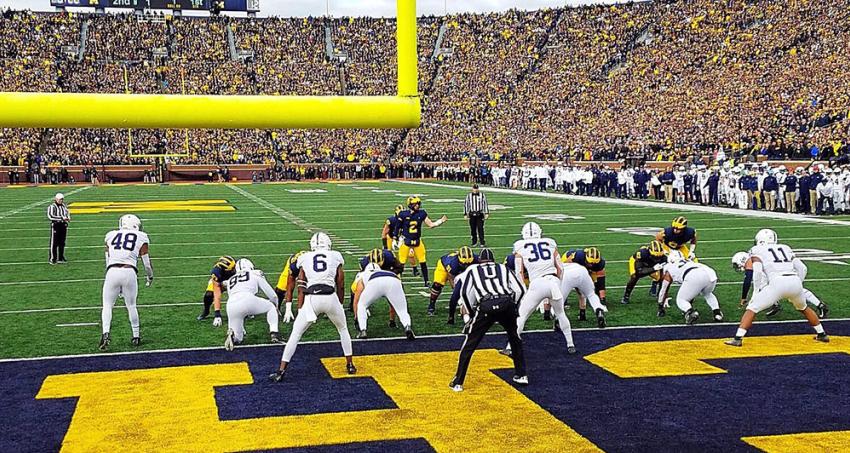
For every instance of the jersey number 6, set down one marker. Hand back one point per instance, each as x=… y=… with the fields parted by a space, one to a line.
x=319 y=263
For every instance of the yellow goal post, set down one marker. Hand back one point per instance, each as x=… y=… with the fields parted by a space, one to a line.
x=155 y=111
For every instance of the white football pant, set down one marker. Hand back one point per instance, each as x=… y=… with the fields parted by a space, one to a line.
x=375 y=289
x=242 y=305
x=697 y=282
x=315 y=305
x=780 y=287
x=540 y=289
x=120 y=281
x=575 y=277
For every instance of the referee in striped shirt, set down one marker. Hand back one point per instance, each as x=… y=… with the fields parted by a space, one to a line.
x=59 y=217
x=476 y=210
x=490 y=294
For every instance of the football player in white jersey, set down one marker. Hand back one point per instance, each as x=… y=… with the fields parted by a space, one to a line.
x=124 y=246
x=696 y=279
x=373 y=284
x=321 y=282
x=538 y=257
x=574 y=276
x=242 y=301
x=741 y=262
x=780 y=266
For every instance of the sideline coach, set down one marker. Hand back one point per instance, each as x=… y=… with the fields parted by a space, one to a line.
x=476 y=210
x=59 y=217
x=490 y=294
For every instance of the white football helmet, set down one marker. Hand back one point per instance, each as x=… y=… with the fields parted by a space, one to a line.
x=766 y=237
x=531 y=230
x=129 y=222
x=371 y=267
x=320 y=241
x=675 y=256
x=244 y=265
x=739 y=260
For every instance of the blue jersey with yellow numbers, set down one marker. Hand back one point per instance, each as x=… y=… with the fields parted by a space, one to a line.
x=578 y=256
x=390 y=261
x=644 y=256
x=411 y=226
x=674 y=240
x=451 y=263
x=395 y=225
x=218 y=274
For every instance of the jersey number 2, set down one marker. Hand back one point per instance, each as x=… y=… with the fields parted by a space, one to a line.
x=124 y=241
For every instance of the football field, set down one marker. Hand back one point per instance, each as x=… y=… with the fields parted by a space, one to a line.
x=50 y=310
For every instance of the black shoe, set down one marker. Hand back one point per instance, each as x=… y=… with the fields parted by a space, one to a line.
x=624 y=301
x=505 y=351
x=483 y=244
x=361 y=335
x=392 y=324
x=275 y=337
x=653 y=290
x=822 y=337
x=415 y=271
x=571 y=349
x=350 y=368
x=450 y=321
x=773 y=310
x=474 y=244
x=427 y=285
x=204 y=315
x=454 y=385
x=62 y=261
x=521 y=380
x=547 y=315
x=431 y=311
x=408 y=332
x=823 y=310
x=136 y=341
x=104 y=342
x=661 y=311
x=737 y=341
x=51 y=263
x=691 y=316
x=600 y=318
x=718 y=315
x=277 y=376
x=582 y=315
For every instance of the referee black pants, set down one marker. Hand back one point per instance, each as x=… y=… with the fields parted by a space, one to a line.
x=476 y=228
x=58 y=232
x=480 y=325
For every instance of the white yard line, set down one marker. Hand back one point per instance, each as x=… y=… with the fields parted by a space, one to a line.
x=626 y=202
x=79 y=324
x=423 y=337
x=38 y=203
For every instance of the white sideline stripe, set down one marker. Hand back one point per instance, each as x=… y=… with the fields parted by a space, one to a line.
x=79 y=324
x=369 y=340
x=349 y=248
x=37 y=203
x=374 y=239
x=662 y=205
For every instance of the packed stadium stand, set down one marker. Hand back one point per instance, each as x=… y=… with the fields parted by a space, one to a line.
x=660 y=80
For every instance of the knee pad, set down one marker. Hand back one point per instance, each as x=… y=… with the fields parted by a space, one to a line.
x=436 y=289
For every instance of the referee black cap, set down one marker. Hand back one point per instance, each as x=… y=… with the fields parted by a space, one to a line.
x=475 y=186
x=486 y=255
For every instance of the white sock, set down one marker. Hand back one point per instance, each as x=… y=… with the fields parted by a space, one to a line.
x=819 y=328
x=741 y=332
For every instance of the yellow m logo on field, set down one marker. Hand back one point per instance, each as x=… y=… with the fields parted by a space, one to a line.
x=99 y=207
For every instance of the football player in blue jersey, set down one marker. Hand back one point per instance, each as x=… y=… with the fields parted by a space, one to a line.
x=591 y=259
x=678 y=236
x=412 y=221
x=223 y=269
x=448 y=267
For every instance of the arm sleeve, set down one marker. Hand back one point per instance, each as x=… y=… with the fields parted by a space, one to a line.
x=800 y=268
x=464 y=293
x=517 y=286
x=662 y=293
x=146 y=260
x=748 y=282
x=267 y=289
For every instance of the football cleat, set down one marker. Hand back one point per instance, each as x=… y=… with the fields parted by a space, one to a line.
x=661 y=311
x=521 y=380
x=204 y=315
x=104 y=342
x=506 y=351
x=582 y=315
x=735 y=342
x=350 y=368
x=556 y=327
x=136 y=341
x=228 y=340
x=450 y=321
x=624 y=300
x=408 y=332
x=547 y=315
x=415 y=271
x=822 y=337
x=571 y=349
x=454 y=385
x=718 y=315
x=603 y=301
x=392 y=324
x=275 y=337
x=773 y=310
x=600 y=318
x=691 y=316
x=653 y=290
x=427 y=286
x=361 y=335
x=277 y=376
x=823 y=310
x=431 y=311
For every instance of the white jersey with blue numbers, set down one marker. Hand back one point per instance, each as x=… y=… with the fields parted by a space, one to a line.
x=677 y=271
x=537 y=256
x=776 y=259
x=124 y=246
x=249 y=282
x=320 y=266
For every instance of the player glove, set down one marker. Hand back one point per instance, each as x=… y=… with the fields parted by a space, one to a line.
x=148 y=280
x=288 y=317
x=217 y=319
x=658 y=267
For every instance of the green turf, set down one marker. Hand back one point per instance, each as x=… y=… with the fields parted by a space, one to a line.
x=184 y=246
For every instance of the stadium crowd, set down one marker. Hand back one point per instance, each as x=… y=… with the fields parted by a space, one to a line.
x=696 y=81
